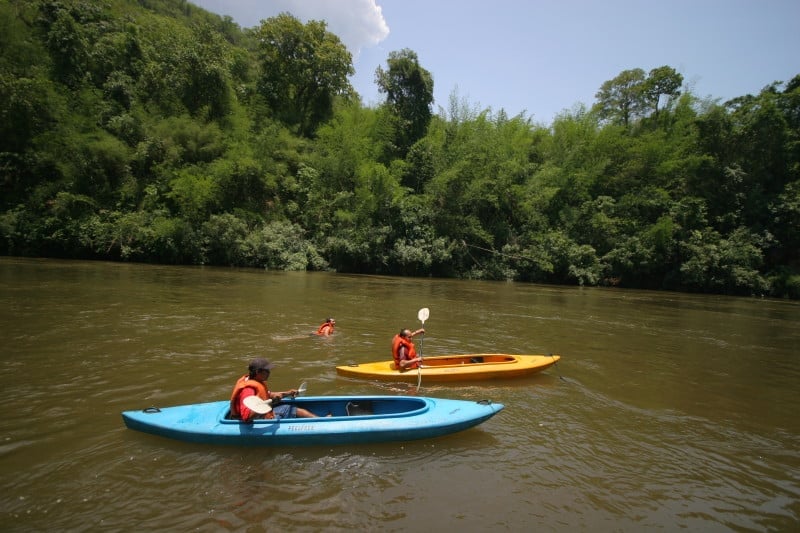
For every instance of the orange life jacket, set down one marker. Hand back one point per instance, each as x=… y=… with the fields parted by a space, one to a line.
x=325 y=329
x=241 y=384
x=411 y=351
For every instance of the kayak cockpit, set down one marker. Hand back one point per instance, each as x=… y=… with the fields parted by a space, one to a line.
x=476 y=360
x=339 y=407
x=471 y=359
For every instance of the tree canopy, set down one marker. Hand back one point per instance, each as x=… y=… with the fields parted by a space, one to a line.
x=409 y=96
x=155 y=131
x=302 y=68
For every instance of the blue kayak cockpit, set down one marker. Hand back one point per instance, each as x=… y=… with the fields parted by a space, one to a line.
x=336 y=407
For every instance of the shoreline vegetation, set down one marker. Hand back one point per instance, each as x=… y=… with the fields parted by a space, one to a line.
x=154 y=131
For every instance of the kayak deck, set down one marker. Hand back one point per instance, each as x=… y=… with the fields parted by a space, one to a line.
x=354 y=419
x=455 y=367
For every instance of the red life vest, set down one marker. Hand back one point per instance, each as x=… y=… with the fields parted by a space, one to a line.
x=242 y=383
x=411 y=351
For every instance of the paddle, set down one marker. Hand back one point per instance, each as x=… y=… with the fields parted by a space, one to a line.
x=422 y=315
x=257 y=405
x=262 y=407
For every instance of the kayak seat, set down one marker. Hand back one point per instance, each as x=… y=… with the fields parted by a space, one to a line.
x=476 y=360
x=359 y=408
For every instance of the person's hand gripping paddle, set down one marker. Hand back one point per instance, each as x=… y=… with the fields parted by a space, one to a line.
x=262 y=407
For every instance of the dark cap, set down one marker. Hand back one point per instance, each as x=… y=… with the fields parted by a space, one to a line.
x=259 y=363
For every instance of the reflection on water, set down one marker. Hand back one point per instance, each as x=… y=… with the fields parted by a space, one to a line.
x=666 y=411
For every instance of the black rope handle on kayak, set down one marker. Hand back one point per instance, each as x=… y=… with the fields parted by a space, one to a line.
x=151 y=410
x=484 y=402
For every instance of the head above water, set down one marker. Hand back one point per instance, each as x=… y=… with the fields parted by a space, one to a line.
x=259 y=364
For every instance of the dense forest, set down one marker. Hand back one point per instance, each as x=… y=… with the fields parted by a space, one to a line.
x=155 y=131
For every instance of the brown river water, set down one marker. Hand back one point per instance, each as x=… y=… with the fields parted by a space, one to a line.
x=666 y=412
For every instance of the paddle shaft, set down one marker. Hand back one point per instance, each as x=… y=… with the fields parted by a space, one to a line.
x=419 y=363
x=423 y=315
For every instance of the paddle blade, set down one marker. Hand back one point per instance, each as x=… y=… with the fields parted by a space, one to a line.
x=423 y=314
x=257 y=405
x=302 y=389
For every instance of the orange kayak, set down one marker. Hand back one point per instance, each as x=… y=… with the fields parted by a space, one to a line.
x=464 y=367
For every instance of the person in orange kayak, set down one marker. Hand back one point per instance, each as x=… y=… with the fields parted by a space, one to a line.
x=326 y=328
x=255 y=382
x=403 y=351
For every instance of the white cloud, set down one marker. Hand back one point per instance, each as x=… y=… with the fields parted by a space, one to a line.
x=358 y=23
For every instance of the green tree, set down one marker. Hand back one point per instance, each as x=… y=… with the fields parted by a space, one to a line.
x=620 y=99
x=724 y=264
x=281 y=246
x=303 y=69
x=632 y=94
x=661 y=82
x=223 y=239
x=786 y=213
x=194 y=193
x=66 y=41
x=409 y=96
x=26 y=110
x=206 y=63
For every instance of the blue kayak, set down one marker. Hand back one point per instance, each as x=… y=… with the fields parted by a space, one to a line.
x=354 y=419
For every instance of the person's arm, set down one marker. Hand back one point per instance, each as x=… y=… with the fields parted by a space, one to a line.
x=405 y=362
x=278 y=396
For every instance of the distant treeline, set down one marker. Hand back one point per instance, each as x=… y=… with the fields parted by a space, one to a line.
x=154 y=131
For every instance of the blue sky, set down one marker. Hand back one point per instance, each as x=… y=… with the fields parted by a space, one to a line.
x=541 y=57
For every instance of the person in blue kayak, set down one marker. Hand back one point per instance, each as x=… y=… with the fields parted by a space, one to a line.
x=255 y=383
x=326 y=328
x=403 y=351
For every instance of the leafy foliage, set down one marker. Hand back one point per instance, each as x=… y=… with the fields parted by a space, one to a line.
x=302 y=69
x=409 y=95
x=155 y=131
